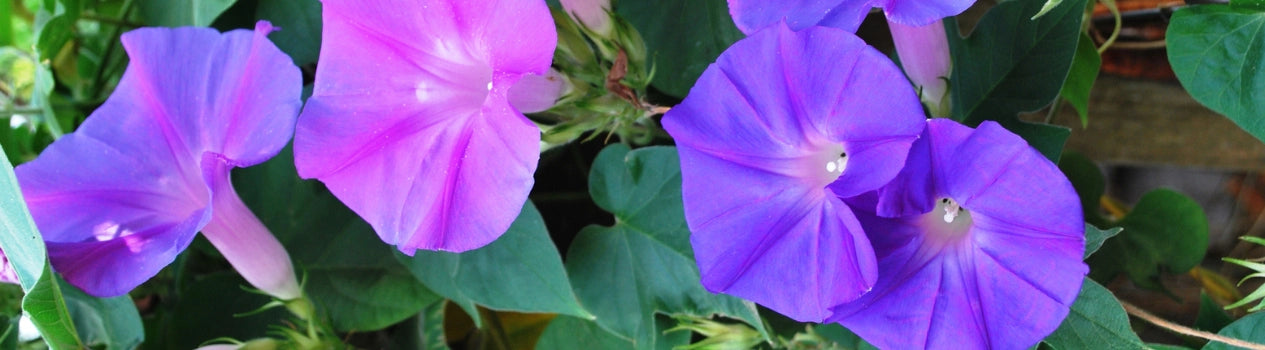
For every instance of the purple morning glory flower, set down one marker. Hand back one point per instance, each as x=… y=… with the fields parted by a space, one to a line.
x=983 y=249
x=769 y=143
x=751 y=15
x=409 y=123
x=120 y=197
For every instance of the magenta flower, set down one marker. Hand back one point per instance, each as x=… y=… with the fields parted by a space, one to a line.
x=769 y=144
x=409 y=123
x=984 y=250
x=120 y=197
x=751 y=15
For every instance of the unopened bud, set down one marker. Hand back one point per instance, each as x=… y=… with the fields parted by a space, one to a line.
x=924 y=54
x=592 y=14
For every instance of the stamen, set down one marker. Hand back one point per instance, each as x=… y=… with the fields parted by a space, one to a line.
x=837 y=165
x=951 y=210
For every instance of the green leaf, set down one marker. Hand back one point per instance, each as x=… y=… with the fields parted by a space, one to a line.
x=54 y=26
x=1094 y=237
x=1212 y=317
x=1096 y=322
x=566 y=332
x=24 y=249
x=299 y=24
x=1253 y=5
x=1013 y=64
x=110 y=322
x=179 y=13
x=625 y=274
x=1250 y=328
x=842 y=337
x=683 y=37
x=521 y=271
x=1089 y=183
x=47 y=307
x=6 y=23
x=1217 y=52
x=1165 y=232
x=19 y=238
x=209 y=308
x=1049 y=5
x=1080 y=78
x=350 y=273
x=570 y=333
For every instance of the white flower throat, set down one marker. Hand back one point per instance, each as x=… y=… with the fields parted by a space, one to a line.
x=838 y=165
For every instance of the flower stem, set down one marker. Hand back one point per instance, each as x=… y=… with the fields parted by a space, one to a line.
x=1180 y=329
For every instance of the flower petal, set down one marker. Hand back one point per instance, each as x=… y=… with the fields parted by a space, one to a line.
x=752 y=15
x=950 y=292
x=922 y=12
x=409 y=125
x=796 y=251
x=773 y=130
x=243 y=108
x=116 y=266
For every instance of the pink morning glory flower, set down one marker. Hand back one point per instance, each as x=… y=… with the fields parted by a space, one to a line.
x=772 y=135
x=979 y=243
x=409 y=123
x=751 y=15
x=120 y=197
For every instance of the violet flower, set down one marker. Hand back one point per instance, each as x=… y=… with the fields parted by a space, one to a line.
x=751 y=15
x=769 y=144
x=120 y=197
x=983 y=248
x=409 y=123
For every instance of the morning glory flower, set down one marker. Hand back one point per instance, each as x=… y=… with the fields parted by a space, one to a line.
x=979 y=243
x=751 y=15
x=409 y=123
x=772 y=135
x=120 y=197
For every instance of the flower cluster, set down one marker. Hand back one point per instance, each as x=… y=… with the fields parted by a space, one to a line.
x=842 y=203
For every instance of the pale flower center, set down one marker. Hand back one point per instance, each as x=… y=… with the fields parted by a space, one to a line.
x=948 y=223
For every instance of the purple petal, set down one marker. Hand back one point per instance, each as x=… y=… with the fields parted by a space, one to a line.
x=937 y=290
x=758 y=236
x=116 y=266
x=1012 y=172
x=243 y=108
x=752 y=15
x=922 y=12
x=774 y=130
x=538 y=93
x=409 y=124
x=120 y=197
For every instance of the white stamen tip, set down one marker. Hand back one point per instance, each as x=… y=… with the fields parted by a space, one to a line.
x=489 y=86
x=951 y=210
x=831 y=166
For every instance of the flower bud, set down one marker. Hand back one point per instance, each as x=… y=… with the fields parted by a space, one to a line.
x=924 y=54
x=592 y=14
